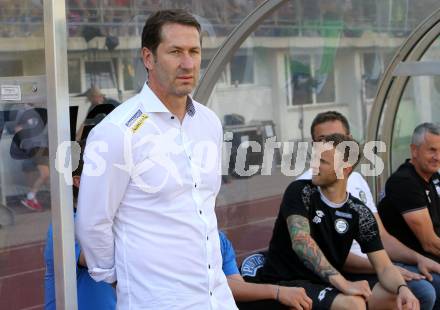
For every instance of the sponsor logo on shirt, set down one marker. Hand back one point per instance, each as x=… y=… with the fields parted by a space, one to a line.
x=316 y=220
x=427 y=195
x=318 y=216
x=341 y=226
x=133 y=118
x=140 y=121
x=363 y=196
x=343 y=214
x=251 y=264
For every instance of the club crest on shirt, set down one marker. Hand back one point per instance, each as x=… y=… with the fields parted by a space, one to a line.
x=437 y=187
x=363 y=196
x=341 y=226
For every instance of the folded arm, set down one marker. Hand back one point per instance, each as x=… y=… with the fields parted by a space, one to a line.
x=420 y=223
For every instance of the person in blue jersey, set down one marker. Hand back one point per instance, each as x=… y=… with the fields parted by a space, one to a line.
x=256 y=296
x=91 y=295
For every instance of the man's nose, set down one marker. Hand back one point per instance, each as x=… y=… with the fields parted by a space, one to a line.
x=187 y=62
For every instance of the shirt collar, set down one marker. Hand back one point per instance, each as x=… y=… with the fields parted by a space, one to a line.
x=190 y=108
x=151 y=103
x=410 y=166
x=332 y=204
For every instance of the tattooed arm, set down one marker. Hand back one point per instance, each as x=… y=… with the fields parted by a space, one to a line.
x=309 y=252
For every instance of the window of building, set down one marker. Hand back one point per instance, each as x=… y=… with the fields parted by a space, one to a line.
x=101 y=74
x=129 y=73
x=74 y=69
x=11 y=68
x=372 y=71
x=242 y=69
x=312 y=79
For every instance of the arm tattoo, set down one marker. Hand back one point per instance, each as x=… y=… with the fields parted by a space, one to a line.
x=306 y=248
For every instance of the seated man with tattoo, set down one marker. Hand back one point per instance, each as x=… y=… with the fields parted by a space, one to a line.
x=316 y=225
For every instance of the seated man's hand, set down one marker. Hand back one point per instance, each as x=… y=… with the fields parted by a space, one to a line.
x=409 y=275
x=356 y=288
x=426 y=266
x=294 y=297
x=406 y=299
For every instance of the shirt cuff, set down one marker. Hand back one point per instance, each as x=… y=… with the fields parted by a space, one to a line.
x=106 y=275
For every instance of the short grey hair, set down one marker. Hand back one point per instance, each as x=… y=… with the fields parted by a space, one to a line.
x=420 y=131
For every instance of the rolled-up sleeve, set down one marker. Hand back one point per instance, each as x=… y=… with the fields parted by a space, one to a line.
x=103 y=184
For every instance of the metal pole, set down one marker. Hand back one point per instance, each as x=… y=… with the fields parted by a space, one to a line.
x=55 y=40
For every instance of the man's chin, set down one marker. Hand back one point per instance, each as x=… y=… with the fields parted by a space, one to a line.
x=183 y=91
x=316 y=181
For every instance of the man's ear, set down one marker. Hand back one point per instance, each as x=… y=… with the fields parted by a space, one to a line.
x=413 y=149
x=76 y=180
x=348 y=171
x=147 y=58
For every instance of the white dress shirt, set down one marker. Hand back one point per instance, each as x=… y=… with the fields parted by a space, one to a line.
x=146 y=206
x=357 y=187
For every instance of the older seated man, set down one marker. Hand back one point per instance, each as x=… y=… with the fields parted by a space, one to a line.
x=410 y=209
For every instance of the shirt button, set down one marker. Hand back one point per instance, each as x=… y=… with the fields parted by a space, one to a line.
x=207 y=238
x=172 y=117
x=210 y=293
x=200 y=211
x=195 y=185
x=209 y=266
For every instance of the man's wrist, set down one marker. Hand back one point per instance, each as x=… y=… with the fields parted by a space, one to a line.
x=399 y=287
x=419 y=257
x=277 y=298
x=338 y=281
x=275 y=291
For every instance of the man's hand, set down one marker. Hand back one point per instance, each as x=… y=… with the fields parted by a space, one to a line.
x=294 y=298
x=406 y=299
x=426 y=266
x=409 y=275
x=353 y=288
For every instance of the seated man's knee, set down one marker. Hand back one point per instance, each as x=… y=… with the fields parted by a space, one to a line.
x=345 y=302
x=425 y=293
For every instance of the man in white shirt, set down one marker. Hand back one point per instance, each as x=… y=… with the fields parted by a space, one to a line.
x=357 y=264
x=151 y=175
